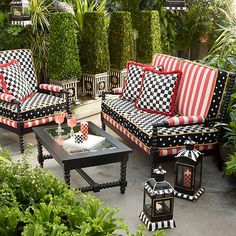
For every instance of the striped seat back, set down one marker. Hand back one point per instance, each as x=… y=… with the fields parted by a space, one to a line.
x=201 y=90
x=24 y=57
x=169 y=63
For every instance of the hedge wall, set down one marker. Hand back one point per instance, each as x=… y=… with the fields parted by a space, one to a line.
x=120 y=40
x=94 y=54
x=63 y=54
x=149 y=37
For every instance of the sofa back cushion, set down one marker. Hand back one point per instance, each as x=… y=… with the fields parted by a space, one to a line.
x=24 y=57
x=133 y=83
x=200 y=91
x=169 y=63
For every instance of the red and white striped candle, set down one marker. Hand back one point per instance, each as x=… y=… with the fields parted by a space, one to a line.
x=187 y=178
x=84 y=129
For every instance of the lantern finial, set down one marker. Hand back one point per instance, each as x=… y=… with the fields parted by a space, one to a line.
x=159 y=174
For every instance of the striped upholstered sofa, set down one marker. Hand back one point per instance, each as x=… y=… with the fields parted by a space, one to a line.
x=182 y=101
x=23 y=102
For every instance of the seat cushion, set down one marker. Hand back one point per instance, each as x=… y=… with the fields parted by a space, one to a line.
x=13 y=81
x=39 y=105
x=138 y=125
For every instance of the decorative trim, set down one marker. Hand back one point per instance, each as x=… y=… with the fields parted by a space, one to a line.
x=157 y=192
x=153 y=226
x=192 y=198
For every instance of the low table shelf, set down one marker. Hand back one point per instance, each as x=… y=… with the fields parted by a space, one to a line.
x=110 y=151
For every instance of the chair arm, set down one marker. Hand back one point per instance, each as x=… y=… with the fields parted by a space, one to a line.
x=8 y=98
x=51 y=88
x=117 y=90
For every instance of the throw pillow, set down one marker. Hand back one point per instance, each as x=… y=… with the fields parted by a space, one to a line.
x=13 y=81
x=133 y=82
x=158 y=92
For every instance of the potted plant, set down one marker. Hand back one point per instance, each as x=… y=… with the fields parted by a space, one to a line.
x=149 y=37
x=63 y=55
x=94 y=54
x=121 y=46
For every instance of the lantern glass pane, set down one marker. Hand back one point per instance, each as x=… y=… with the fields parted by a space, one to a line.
x=16 y=11
x=147 y=203
x=162 y=207
x=184 y=176
x=198 y=176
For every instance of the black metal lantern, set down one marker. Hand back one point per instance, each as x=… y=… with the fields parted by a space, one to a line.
x=20 y=12
x=158 y=202
x=188 y=173
x=175 y=5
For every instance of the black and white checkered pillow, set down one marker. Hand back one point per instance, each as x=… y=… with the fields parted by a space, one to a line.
x=13 y=81
x=133 y=83
x=158 y=92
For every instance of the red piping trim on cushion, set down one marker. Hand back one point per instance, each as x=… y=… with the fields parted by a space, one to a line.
x=9 y=63
x=173 y=99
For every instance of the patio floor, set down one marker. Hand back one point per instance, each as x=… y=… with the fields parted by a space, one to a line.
x=214 y=213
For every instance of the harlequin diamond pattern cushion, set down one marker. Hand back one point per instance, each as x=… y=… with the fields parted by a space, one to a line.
x=38 y=106
x=133 y=83
x=158 y=92
x=13 y=81
x=25 y=59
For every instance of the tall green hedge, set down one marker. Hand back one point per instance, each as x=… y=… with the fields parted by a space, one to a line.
x=63 y=53
x=94 y=52
x=120 y=39
x=149 y=37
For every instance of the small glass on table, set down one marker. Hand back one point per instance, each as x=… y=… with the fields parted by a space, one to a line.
x=71 y=122
x=59 y=119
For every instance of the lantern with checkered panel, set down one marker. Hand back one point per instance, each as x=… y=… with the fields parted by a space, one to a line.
x=188 y=173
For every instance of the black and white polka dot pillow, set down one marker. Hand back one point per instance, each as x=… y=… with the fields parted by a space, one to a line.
x=132 y=85
x=13 y=81
x=158 y=92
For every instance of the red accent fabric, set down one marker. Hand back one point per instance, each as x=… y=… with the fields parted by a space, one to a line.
x=50 y=87
x=8 y=64
x=6 y=97
x=117 y=90
x=169 y=63
x=172 y=108
x=196 y=89
x=161 y=152
x=184 y=120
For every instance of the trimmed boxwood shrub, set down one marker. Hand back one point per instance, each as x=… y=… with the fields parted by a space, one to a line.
x=120 y=40
x=63 y=54
x=149 y=38
x=94 y=54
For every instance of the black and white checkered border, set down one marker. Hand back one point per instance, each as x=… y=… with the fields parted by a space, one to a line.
x=176 y=8
x=193 y=198
x=157 y=192
x=153 y=226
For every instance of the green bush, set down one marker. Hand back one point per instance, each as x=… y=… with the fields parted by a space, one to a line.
x=63 y=54
x=94 y=54
x=121 y=43
x=149 y=41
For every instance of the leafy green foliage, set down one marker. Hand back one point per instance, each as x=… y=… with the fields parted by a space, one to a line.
x=33 y=202
x=121 y=44
x=149 y=38
x=230 y=165
x=94 y=54
x=63 y=54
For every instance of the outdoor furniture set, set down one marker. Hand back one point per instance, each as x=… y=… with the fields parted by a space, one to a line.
x=160 y=110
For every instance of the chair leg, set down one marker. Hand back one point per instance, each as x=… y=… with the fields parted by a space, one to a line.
x=103 y=124
x=21 y=142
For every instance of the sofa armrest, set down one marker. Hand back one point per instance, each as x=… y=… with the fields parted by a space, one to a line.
x=184 y=120
x=51 y=88
x=8 y=98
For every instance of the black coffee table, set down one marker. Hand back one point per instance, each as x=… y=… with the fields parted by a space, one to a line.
x=109 y=151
